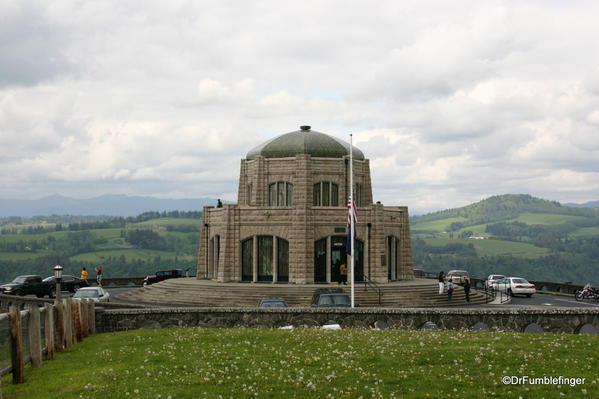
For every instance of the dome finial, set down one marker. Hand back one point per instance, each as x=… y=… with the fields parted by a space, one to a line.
x=306 y=128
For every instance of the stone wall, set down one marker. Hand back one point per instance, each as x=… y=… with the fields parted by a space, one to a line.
x=528 y=320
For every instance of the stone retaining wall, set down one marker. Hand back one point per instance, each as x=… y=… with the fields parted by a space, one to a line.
x=530 y=320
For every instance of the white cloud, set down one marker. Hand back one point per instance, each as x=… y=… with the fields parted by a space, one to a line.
x=452 y=102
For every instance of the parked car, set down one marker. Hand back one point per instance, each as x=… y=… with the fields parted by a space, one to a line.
x=24 y=285
x=67 y=283
x=273 y=303
x=162 y=275
x=493 y=279
x=516 y=285
x=96 y=294
x=331 y=297
x=457 y=276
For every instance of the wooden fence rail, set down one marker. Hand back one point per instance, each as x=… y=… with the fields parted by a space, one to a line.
x=66 y=322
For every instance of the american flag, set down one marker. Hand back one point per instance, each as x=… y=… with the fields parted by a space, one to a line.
x=352 y=218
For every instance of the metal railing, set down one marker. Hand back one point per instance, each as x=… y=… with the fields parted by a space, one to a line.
x=374 y=286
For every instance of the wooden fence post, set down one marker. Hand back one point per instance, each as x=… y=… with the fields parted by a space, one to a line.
x=92 y=317
x=77 y=333
x=68 y=324
x=35 y=336
x=49 y=331
x=16 y=343
x=84 y=314
x=59 y=326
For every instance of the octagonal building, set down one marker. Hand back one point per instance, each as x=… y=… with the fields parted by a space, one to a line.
x=290 y=222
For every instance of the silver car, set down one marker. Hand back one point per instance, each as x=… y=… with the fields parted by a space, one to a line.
x=96 y=294
x=492 y=280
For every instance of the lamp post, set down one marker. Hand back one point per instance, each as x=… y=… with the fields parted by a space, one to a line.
x=58 y=277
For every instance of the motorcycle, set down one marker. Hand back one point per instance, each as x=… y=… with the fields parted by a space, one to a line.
x=587 y=292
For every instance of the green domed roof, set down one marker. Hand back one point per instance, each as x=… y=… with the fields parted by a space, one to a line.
x=304 y=141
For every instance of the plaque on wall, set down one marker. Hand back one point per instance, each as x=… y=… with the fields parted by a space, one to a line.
x=383 y=260
x=339 y=229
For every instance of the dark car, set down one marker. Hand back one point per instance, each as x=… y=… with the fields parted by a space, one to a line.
x=273 y=303
x=331 y=298
x=67 y=283
x=23 y=285
x=162 y=275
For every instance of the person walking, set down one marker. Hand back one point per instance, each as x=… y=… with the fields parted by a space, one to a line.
x=449 y=290
x=467 y=289
x=83 y=275
x=343 y=273
x=99 y=275
x=441 y=282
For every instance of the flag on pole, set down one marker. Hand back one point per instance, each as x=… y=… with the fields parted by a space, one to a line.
x=352 y=219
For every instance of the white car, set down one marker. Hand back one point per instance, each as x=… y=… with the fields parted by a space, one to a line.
x=96 y=294
x=492 y=280
x=515 y=285
x=457 y=276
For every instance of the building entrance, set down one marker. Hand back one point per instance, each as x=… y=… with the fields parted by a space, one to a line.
x=330 y=254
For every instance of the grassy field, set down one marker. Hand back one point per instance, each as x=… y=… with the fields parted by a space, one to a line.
x=437 y=225
x=309 y=363
x=545 y=218
x=494 y=247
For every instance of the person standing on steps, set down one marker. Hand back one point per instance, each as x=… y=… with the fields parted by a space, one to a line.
x=343 y=273
x=467 y=289
x=83 y=275
x=441 y=282
x=450 y=288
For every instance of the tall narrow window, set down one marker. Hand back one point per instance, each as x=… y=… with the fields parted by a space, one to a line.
x=358 y=194
x=249 y=194
x=282 y=260
x=280 y=194
x=326 y=193
x=247 y=260
x=265 y=252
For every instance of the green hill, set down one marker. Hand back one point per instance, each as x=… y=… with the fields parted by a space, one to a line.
x=511 y=234
x=499 y=208
x=134 y=246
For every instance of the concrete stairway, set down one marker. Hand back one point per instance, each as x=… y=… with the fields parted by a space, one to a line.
x=193 y=292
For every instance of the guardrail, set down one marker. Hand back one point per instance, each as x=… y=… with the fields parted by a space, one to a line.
x=36 y=333
x=542 y=286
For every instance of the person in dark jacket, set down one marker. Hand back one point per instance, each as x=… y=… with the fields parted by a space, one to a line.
x=441 y=282
x=467 y=289
x=449 y=290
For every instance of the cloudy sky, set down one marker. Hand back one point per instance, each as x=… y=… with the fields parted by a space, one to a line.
x=451 y=101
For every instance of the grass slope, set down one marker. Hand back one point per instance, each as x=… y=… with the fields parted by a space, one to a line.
x=309 y=363
x=494 y=247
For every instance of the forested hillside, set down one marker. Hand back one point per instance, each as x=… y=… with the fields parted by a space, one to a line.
x=133 y=246
x=511 y=234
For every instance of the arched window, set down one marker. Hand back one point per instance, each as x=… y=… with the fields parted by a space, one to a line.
x=325 y=193
x=280 y=194
x=265 y=258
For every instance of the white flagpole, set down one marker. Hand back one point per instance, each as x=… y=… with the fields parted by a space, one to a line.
x=352 y=213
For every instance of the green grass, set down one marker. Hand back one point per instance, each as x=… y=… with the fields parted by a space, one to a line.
x=438 y=225
x=21 y=255
x=309 y=363
x=494 y=247
x=546 y=218
x=585 y=232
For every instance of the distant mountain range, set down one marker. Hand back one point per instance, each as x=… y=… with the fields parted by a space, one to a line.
x=590 y=204
x=110 y=205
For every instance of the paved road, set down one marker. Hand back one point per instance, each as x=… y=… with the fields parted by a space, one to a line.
x=548 y=300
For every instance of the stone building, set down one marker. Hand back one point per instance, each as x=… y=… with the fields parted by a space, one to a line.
x=289 y=224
